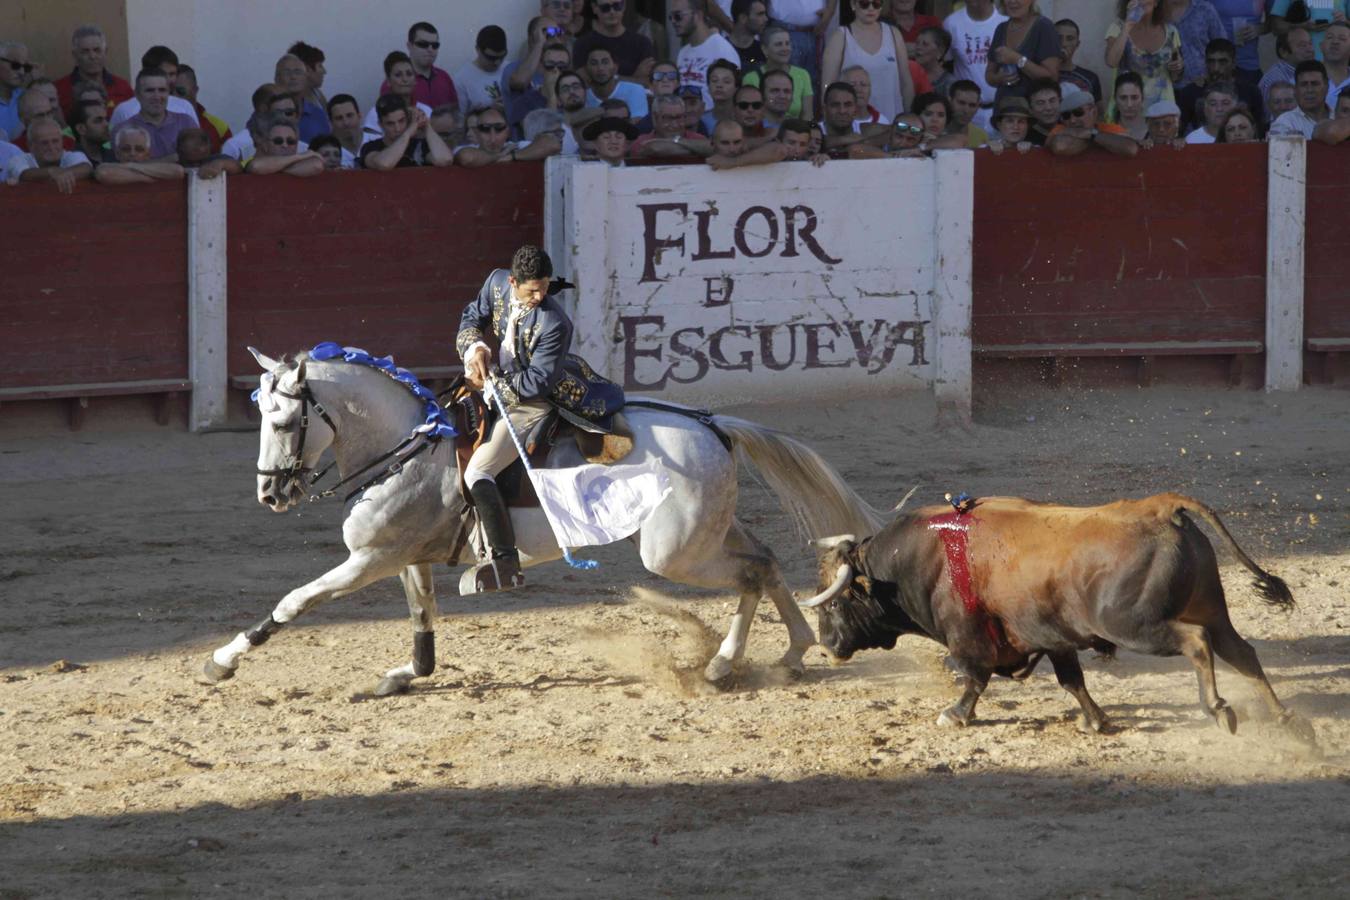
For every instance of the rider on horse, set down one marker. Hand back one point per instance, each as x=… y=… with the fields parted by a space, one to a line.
x=535 y=373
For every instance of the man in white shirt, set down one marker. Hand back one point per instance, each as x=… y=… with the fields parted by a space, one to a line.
x=972 y=31
x=1218 y=103
x=479 y=81
x=1336 y=57
x=166 y=61
x=701 y=46
x=1310 y=88
x=49 y=159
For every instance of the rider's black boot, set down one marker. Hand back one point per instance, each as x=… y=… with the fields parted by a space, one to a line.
x=502 y=570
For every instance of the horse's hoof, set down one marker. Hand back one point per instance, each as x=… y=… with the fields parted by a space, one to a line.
x=1226 y=718
x=718 y=670
x=214 y=673
x=388 y=687
x=950 y=719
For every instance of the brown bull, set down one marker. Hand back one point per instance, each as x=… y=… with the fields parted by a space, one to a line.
x=1004 y=580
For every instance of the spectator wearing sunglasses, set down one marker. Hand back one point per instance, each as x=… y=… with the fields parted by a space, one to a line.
x=401 y=81
x=14 y=71
x=133 y=164
x=479 y=81
x=279 y=151
x=633 y=53
x=529 y=82
x=89 y=47
x=490 y=142
x=701 y=46
x=902 y=140
x=748 y=106
x=405 y=139
x=669 y=135
x=432 y=86
x=1079 y=130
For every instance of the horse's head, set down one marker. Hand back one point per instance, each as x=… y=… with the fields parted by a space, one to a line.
x=295 y=431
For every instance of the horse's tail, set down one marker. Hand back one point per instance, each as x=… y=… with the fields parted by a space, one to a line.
x=1274 y=592
x=818 y=499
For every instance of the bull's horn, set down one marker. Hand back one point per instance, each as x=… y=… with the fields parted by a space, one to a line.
x=841 y=580
x=829 y=543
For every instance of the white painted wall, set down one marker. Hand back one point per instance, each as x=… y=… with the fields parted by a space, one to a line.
x=234 y=45
x=686 y=276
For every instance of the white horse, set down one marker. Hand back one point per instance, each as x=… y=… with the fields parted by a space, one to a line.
x=408 y=521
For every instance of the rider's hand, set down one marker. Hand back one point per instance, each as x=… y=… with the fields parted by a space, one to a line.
x=476 y=368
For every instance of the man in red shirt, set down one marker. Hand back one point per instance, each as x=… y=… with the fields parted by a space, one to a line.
x=90 y=49
x=432 y=85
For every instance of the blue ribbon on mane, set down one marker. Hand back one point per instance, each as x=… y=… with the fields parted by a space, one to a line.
x=434 y=422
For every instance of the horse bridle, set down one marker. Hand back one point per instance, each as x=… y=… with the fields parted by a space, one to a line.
x=295 y=464
x=408 y=448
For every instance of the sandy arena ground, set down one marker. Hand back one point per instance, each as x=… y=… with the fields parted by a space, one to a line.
x=565 y=747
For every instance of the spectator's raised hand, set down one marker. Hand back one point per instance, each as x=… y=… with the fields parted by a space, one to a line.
x=643 y=73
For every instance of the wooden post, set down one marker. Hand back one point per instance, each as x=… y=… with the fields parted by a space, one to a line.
x=1286 y=210
x=206 y=302
x=954 y=183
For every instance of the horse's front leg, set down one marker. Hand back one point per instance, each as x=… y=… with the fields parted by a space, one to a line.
x=420 y=589
x=359 y=570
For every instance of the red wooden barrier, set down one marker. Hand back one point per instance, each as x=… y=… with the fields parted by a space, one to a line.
x=94 y=286
x=1326 y=299
x=385 y=261
x=1100 y=250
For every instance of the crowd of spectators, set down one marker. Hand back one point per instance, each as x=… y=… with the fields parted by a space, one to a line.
x=753 y=82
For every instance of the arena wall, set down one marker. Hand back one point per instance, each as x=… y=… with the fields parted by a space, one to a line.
x=1186 y=253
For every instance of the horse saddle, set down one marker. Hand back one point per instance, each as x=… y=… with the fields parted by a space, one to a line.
x=603 y=442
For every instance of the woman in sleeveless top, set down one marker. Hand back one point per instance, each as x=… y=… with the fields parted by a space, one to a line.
x=1142 y=42
x=878 y=48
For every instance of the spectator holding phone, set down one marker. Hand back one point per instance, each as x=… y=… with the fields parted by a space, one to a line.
x=1311 y=15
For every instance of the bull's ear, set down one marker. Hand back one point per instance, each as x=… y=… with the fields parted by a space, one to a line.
x=300 y=371
x=267 y=362
x=834 y=541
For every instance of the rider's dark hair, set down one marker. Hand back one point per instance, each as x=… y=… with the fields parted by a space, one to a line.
x=530 y=264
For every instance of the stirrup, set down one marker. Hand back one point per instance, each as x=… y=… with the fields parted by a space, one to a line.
x=501 y=573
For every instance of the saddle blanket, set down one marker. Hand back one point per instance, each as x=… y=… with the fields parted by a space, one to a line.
x=592 y=505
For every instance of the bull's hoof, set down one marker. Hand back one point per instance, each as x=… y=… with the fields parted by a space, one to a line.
x=214 y=673
x=1299 y=728
x=794 y=669
x=1091 y=724
x=388 y=687
x=950 y=718
x=1226 y=718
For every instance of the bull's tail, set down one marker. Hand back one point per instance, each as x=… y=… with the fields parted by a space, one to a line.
x=1272 y=588
x=820 y=502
